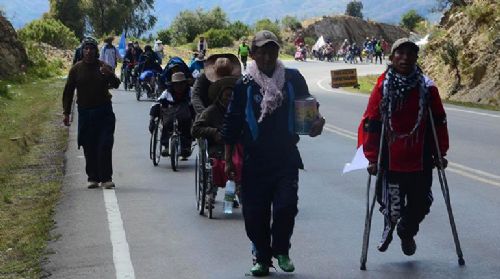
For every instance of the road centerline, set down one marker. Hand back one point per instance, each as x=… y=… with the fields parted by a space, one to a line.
x=463 y=170
x=121 y=253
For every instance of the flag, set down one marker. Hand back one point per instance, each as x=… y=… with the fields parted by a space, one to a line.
x=122 y=46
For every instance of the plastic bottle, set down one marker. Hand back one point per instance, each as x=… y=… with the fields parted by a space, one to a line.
x=229 y=196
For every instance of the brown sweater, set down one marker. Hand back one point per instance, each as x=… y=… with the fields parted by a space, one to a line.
x=91 y=86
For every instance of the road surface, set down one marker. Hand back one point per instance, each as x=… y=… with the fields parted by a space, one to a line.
x=148 y=227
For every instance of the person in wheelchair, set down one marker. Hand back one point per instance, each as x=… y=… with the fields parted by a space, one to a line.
x=174 y=103
x=208 y=125
x=149 y=65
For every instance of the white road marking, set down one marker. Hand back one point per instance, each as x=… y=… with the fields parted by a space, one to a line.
x=320 y=85
x=466 y=171
x=473 y=112
x=121 y=253
x=448 y=108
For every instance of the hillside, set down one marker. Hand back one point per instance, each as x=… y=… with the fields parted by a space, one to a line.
x=338 y=28
x=12 y=52
x=463 y=54
x=20 y=12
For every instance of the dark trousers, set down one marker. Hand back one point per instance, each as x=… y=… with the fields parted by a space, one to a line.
x=96 y=136
x=378 y=55
x=408 y=197
x=244 y=61
x=262 y=189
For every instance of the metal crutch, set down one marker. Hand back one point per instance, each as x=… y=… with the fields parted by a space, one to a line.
x=369 y=208
x=446 y=194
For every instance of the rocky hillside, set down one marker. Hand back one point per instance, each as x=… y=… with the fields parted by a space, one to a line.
x=339 y=28
x=463 y=53
x=12 y=52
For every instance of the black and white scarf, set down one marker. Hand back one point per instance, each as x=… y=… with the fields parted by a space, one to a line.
x=397 y=88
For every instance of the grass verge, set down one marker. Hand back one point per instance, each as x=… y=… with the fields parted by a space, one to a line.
x=32 y=145
x=366 y=84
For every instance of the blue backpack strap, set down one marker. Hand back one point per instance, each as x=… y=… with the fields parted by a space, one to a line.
x=250 y=116
x=291 y=108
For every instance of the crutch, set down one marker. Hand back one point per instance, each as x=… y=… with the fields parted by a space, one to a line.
x=369 y=208
x=446 y=192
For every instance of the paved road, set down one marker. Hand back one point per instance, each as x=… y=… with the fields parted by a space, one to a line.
x=165 y=238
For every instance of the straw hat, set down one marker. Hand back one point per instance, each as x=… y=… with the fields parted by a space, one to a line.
x=218 y=66
x=216 y=88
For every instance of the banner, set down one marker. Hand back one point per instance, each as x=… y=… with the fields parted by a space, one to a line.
x=122 y=46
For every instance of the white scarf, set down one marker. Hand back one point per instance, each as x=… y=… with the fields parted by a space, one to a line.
x=271 y=88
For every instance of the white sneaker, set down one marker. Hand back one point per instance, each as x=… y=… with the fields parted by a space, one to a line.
x=92 y=185
x=108 y=185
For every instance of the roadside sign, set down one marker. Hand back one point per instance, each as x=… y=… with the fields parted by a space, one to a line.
x=344 y=78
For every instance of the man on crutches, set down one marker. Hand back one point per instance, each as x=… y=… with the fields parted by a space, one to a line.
x=400 y=103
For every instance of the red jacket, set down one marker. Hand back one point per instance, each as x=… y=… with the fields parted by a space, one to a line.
x=405 y=154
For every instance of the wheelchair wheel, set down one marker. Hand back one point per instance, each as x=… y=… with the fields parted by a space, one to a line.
x=174 y=152
x=155 y=144
x=208 y=189
x=138 y=90
x=199 y=182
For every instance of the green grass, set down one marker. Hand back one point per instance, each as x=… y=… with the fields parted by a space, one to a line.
x=32 y=144
x=366 y=84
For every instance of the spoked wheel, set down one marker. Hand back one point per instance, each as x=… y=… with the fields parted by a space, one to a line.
x=155 y=146
x=199 y=181
x=174 y=152
x=208 y=189
x=138 y=91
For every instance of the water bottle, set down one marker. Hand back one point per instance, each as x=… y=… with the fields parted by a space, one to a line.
x=229 y=196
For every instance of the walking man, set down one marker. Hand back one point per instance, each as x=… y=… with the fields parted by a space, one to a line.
x=109 y=53
x=96 y=121
x=243 y=51
x=261 y=117
x=400 y=104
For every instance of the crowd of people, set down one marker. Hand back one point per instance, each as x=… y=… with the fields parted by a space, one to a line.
x=248 y=121
x=370 y=51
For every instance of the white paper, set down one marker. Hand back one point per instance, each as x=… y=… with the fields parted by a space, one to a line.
x=359 y=161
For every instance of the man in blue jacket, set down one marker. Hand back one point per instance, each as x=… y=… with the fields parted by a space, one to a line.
x=261 y=116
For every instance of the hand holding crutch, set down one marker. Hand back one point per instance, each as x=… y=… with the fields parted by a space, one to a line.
x=369 y=208
x=446 y=192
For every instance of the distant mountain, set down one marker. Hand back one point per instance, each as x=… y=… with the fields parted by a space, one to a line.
x=21 y=12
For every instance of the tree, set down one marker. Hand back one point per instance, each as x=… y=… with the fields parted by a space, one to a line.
x=267 y=24
x=239 y=30
x=410 y=19
x=165 y=36
x=50 y=31
x=291 y=22
x=70 y=13
x=354 y=9
x=114 y=16
x=189 y=24
x=218 y=37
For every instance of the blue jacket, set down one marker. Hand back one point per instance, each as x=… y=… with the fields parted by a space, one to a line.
x=273 y=141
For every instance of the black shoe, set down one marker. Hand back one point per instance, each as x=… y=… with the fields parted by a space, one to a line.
x=236 y=204
x=386 y=238
x=408 y=246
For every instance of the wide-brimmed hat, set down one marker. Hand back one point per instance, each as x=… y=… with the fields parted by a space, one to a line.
x=178 y=77
x=222 y=65
x=216 y=88
x=404 y=41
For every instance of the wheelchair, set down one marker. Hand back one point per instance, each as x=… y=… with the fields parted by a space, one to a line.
x=203 y=179
x=155 y=146
x=148 y=82
x=209 y=177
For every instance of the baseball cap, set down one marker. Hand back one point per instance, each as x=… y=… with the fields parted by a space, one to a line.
x=403 y=41
x=263 y=37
